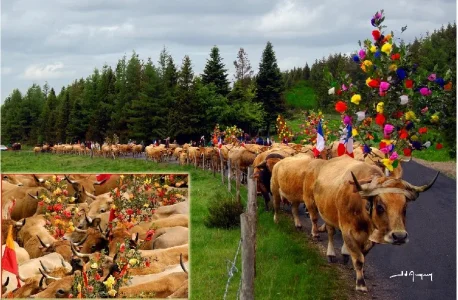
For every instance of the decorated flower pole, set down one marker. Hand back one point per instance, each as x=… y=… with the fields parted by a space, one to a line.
x=231 y=134
x=386 y=110
x=283 y=131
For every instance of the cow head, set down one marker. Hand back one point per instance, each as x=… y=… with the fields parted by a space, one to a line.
x=61 y=247
x=387 y=204
x=60 y=288
x=31 y=286
x=94 y=241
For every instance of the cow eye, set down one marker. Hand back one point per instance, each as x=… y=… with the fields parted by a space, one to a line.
x=380 y=209
x=102 y=210
x=60 y=291
x=93 y=248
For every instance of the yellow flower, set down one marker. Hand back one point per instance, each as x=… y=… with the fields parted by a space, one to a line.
x=58 y=191
x=113 y=206
x=70 y=223
x=373 y=48
x=109 y=282
x=47 y=183
x=54 y=178
x=368 y=80
x=79 y=287
x=324 y=126
x=354 y=132
x=380 y=106
x=386 y=48
x=112 y=293
x=156 y=185
x=122 y=176
x=53 y=213
x=47 y=200
x=410 y=115
x=71 y=228
x=133 y=261
x=393 y=67
x=388 y=163
x=146 y=205
x=76 y=208
x=365 y=65
x=59 y=200
x=414 y=138
x=387 y=142
x=72 y=199
x=434 y=118
x=356 y=99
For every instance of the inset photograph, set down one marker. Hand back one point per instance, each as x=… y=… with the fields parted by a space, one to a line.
x=95 y=235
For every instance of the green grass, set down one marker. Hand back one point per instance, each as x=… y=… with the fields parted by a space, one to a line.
x=288 y=267
x=432 y=154
x=301 y=96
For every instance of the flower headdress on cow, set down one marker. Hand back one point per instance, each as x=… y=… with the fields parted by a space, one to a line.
x=390 y=109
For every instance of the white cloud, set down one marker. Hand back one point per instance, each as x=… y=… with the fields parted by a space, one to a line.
x=40 y=71
x=6 y=70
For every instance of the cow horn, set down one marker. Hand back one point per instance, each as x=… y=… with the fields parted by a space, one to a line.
x=88 y=219
x=99 y=182
x=80 y=230
x=62 y=261
x=181 y=263
x=7 y=281
x=21 y=278
x=20 y=224
x=82 y=255
x=44 y=268
x=43 y=244
x=100 y=228
x=89 y=194
x=82 y=241
x=41 y=283
x=358 y=186
x=34 y=197
x=39 y=180
x=48 y=276
x=69 y=180
x=422 y=188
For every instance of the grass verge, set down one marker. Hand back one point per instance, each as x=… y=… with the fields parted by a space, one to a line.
x=288 y=267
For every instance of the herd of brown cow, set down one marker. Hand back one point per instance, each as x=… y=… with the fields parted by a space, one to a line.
x=48 y=265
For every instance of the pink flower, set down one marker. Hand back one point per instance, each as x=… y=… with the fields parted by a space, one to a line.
x=362 y=54
x=344 y=87
x=122 y=248
x=385 y=150
x=384 y=86
x=347 y=120
x=394 y=156
x=432 y=77
x=425 y=91
x=388 y=129
x=424 y=110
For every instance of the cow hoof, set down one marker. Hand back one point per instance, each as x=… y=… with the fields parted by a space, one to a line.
x=332 y=258
x=361 y=288
x=299 y=227
x=346 y=258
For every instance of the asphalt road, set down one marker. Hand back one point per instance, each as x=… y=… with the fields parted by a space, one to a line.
x=431 y=225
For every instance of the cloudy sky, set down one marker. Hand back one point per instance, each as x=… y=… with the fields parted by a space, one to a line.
x=61 y=40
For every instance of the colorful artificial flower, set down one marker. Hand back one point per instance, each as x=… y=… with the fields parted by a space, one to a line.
x=354 y=132
x=427 y=144
x=439 y=146
x=341 y=106
x=361 y=115
x=404 y=99
x=448 y=86
x=365 y=65
x=396 y=56
x=403 y=134
x=347 y=120
x=394 y=155
x=386 y=48
x=409 y=83
x=331 y=91
x=373 y=83
x=424 y=91
x=112 y=293
x=384 y=86
x=388 y=163
x=356 y=99
x=407 y=152
x=373 y=48
x=432 y=77
x=410 y=115
x=380 y=119
x=434 y=118
x=377 y=54
x=401 y=73
x=388 y=129
x=424 y=110
x=362 y=54
x=355 y=58
x=376 y=35
x=109 y=282
x=422 y=130
x=440 y=81
x=393 y=67
x=380 y=106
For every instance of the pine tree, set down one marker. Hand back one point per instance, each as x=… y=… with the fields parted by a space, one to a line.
x=11 y=129
x=269 y=86
x=214 y=72
x=63 y=117
x=306 y=72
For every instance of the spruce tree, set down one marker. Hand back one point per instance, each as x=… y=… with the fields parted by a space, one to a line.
x=243 y=70
x=269 y=86
x=306 y=72
x=215 y=73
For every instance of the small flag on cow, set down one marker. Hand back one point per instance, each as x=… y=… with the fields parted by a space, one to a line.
x=319 y=140
x=102 y=177
x=9 y=261
x=111 y=218
x=346 y=142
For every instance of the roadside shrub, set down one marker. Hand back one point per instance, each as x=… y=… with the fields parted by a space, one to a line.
x=224 y=212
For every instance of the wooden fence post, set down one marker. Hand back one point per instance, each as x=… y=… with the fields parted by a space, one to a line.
x=237 y=184
x=248 y=222
x=203 y=161
x=222 y=165
x=229 y=174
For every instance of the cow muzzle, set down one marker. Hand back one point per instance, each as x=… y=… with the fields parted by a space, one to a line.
x=397 y=237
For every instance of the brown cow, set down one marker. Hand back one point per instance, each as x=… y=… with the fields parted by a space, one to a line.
x=369 y=212
x=263 y=174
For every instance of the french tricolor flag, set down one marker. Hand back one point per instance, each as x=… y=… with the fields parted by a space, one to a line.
x=346 y=142
x=319 y=140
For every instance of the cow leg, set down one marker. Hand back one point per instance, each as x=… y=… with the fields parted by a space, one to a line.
x=357 y=258
x=295 y=211
x=345 y=254
x=331 y=253
x=276 y=203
